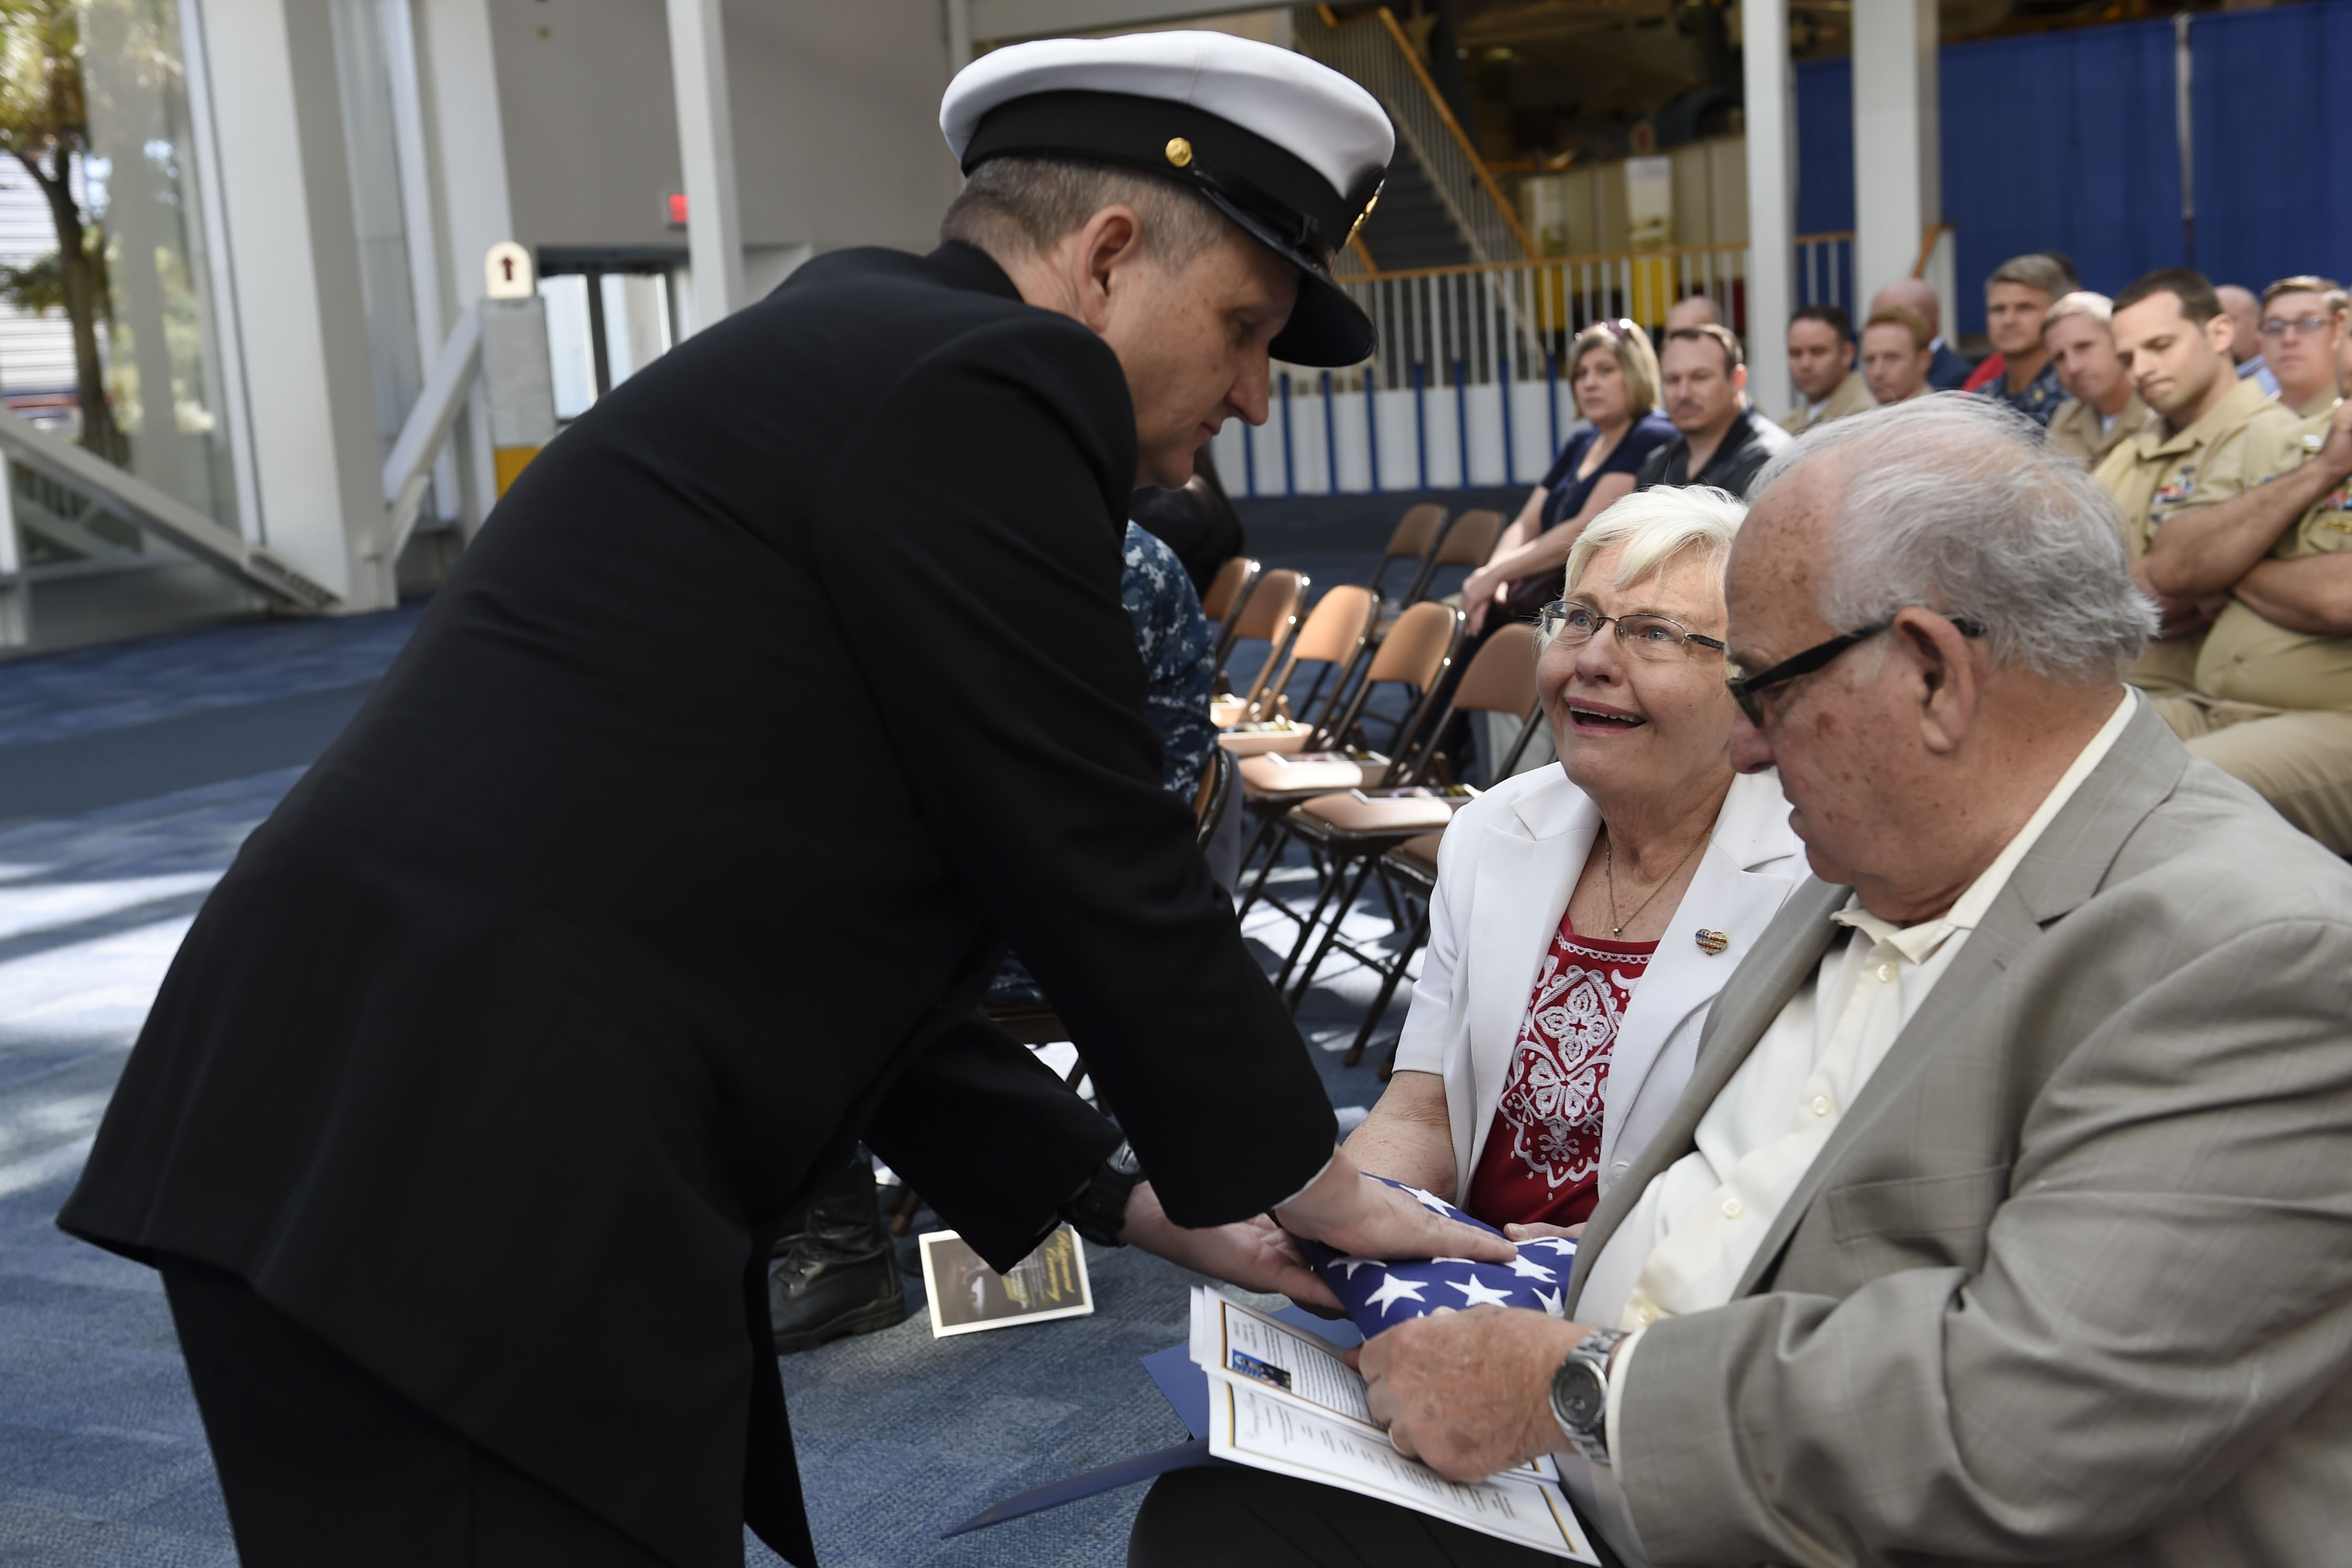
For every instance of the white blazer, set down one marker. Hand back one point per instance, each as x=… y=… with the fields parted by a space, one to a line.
x=1505 y=870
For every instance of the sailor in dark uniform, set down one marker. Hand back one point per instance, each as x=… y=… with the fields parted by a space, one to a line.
x=666 y=861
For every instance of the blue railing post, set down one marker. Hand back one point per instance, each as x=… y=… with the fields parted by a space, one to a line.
x=1330 y=435
x=1552 y=396
x=1289 y=463
x=1373 y=428
x=1421 y=422
x=1462 y=418
x=1503 y=388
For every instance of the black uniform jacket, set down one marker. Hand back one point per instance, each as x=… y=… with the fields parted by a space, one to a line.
x=782 y=691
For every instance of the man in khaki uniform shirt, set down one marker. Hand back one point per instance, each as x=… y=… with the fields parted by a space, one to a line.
x=2273 y=697
x=2103 y=410
x=2171 y=333
x=1821 y=363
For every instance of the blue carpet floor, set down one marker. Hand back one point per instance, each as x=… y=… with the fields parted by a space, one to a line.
x=128 y=775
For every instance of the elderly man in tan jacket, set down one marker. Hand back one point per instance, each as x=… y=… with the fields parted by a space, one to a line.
x=2004 y=1218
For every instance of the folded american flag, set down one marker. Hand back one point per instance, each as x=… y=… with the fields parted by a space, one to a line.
x=1378 y=1294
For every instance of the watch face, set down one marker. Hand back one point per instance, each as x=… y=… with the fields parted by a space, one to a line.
x=1581 y=1396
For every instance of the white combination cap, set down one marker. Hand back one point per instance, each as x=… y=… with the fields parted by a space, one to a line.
x=1289 y=149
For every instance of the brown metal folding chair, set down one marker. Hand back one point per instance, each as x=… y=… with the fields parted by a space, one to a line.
x=1268 y=612
x=1333 y=639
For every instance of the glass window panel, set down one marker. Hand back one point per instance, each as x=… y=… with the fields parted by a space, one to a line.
x=571 y=355
x=144 y=336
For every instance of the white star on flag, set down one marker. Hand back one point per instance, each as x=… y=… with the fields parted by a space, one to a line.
x=1475 y=1294
x=1392 y=1291
x=1430 y=1201
x=1350 y=1265
x=1551 y=1303
x=1526 y=1268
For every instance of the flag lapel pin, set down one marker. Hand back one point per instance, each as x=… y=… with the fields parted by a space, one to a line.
x=1713 y=942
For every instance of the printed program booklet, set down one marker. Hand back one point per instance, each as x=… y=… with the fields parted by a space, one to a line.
x=1281 y=1399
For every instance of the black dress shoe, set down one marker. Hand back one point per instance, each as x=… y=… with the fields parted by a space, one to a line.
x=838 y=1274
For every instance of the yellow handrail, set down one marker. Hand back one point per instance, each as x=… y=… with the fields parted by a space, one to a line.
x=1936 y=231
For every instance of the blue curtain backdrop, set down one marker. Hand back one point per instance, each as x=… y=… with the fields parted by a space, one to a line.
x=2273 y=182
x=2068 y=141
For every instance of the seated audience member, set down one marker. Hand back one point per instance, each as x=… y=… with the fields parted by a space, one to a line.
x=1195 y=519
x=2003 y=1219
x=1696 y=310
x=1894 y=354
x=1612 y=378
x=1720 y=440
x=2244 y=314
x=2303 y=331
x=2103 y=410
x=2171 y=334
x=2018 y=296
x=2271 y=702
x=1821 y=363
x=1946 y=372
x=1534 y=1066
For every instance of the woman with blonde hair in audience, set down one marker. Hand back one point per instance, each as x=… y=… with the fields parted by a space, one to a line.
x=1586 y=915
x=1612 y=377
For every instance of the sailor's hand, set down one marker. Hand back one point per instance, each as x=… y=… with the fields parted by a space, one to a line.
x=1368 y=1219
x=1254 y=1254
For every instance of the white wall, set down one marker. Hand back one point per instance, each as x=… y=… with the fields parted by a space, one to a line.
x=836 y=109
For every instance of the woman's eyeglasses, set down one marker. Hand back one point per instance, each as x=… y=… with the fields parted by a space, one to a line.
x=1643 y=636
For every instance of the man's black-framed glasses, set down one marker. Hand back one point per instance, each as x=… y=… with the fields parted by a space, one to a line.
x=1746 y=689
x=1642 y=634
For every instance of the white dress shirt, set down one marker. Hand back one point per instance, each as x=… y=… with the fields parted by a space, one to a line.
x=1698 y=1223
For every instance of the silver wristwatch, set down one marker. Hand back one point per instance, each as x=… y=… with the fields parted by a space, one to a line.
x=1579 y=1394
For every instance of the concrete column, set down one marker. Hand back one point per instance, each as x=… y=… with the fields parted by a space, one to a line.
x=706 y=145
x=960 y=50
x=1897 y=169
x=293 y=249
x=466 y=143
x=1771 y=120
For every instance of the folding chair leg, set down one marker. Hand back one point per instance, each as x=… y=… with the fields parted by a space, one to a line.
x=1268 y=835
x=1327 y=885
x=1331 y=935
x=1388 y=994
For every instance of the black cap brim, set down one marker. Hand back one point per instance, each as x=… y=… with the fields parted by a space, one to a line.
x=1326 y=327
x=1265 y=190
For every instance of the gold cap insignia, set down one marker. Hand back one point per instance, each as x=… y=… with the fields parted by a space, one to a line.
x=1712 y=942
x=1358 y=224
x=1180 y=151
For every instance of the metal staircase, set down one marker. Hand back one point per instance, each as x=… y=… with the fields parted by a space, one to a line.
x=1438 y=180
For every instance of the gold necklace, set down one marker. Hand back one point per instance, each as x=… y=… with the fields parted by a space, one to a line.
x=1609 y=864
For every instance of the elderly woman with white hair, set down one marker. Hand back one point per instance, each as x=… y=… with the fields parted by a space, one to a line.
x=1586 y=915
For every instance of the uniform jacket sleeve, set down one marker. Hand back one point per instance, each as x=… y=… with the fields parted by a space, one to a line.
x=988 y=491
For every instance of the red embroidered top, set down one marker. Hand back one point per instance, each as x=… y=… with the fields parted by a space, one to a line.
x=1541 y=1164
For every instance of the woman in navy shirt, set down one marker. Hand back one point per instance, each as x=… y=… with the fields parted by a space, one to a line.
x=1612 y=374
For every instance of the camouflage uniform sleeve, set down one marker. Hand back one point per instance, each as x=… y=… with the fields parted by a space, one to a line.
x=1173 y=635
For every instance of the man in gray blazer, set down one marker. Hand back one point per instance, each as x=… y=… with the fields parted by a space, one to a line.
x=2008 y=1217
